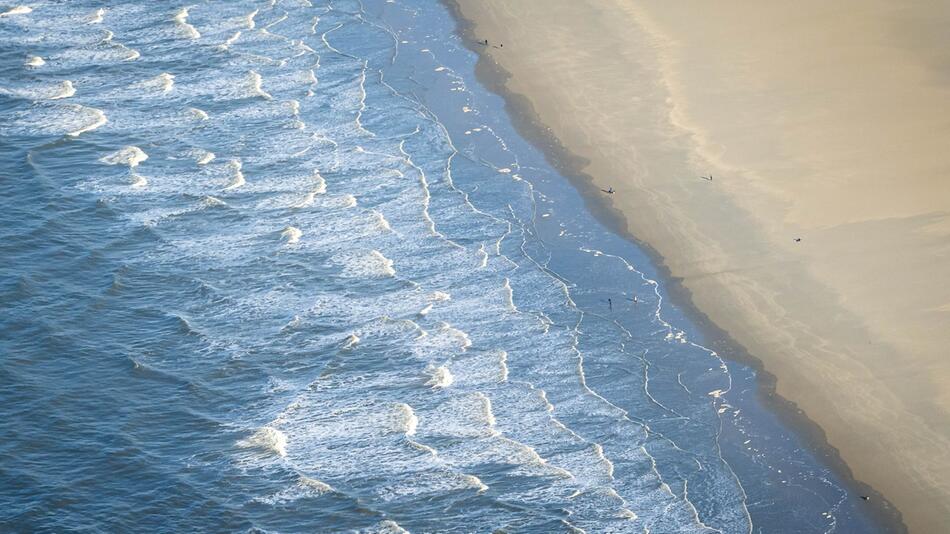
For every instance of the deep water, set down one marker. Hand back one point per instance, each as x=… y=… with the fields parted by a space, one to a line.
x=281 y=267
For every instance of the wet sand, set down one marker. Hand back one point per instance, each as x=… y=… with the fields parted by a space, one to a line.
x=820 y=121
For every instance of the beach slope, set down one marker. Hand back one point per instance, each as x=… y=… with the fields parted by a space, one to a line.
x=821 y=243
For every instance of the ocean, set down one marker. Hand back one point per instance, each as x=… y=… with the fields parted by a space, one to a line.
x=287 y=266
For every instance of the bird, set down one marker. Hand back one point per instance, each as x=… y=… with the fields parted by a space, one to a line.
x=798 y=239
x=865 y=497
x=707 y=177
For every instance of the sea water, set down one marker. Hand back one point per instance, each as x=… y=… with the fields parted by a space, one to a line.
x=285 y=266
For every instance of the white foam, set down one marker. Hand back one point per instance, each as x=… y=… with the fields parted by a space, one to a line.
x=18 y=10
x=487 y=415
x=439 y=296
x=34 y=61
x=319 y=189
x=320 y=184
x=599 y=453
x=138 y=181
x=349 y=201
x=276 y=21
x=305 y=487
x=108 y=38
x=445 y=329
x=371 y=264
x=292 y=234
x=230 y=41
x=543 y=395
x=130 y=155
x=509 y=295
x=351 y=341
x=404 y=419
x=255 y=81
x=133 y=55
x=205 y=157
x=474 y=482
x=426 y=310
x=99 y=118
x=422 y=447
x=181 y=20
x=167 y=81
x=302 y=48
x=307 y=200
x=163 y=81
x=198 y=114
x=237 y=176
x=503 y=366
x=440 y=377
x=66 y=90
x=211 y=201
x=96 y=16
x=249 y=19
x=269 y=439
x=390 y=527
x=381 y=222
x=316 y=485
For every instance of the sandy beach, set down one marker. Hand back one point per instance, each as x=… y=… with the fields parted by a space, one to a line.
x=822 y=242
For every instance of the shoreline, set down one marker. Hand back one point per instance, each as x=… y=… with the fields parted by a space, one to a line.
x=530 y=125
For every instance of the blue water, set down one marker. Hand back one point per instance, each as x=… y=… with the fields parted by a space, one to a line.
x=280 y=267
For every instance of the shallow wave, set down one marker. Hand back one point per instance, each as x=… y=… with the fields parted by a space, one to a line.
x=268 y=439
x=181 y=20
x=440 y=377
x=291 y=234
x=370 y=264
x=235 y=167
x=96 y=119
x=130 y=155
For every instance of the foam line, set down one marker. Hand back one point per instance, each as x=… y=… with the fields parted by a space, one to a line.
x=181 y=20
x=66 y=90
x=237 y=175
x=99 y=119
x=255 y=81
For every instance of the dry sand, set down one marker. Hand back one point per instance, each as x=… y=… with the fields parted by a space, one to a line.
x=828 y=121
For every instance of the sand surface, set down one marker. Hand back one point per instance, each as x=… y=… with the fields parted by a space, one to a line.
x=825 y=121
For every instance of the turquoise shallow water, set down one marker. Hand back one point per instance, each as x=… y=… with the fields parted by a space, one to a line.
x=287 y=267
